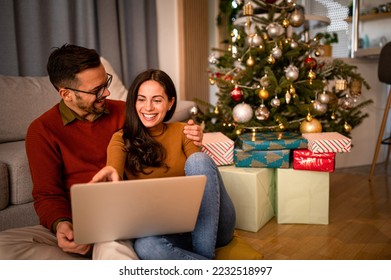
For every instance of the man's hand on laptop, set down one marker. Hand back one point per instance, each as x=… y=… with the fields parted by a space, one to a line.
x=65 y=239
x=107 y=173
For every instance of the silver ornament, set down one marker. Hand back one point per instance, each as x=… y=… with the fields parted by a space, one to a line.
x=262 y=113
x=291 y=73
x=254 y=40
x=347 y=102
x=242 y=113
x=294 y=44
x=324 y=97
x=265 y=82
x=212 y=58
x=319 y=107
x=194 y=110
x=257 y=40
x=297 y=18
x=275 y=102
x=274 y=30
x=276 y=52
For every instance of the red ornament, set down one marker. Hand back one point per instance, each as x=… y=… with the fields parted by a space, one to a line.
x=228 y=78
x=310 y=62
x=237 y=94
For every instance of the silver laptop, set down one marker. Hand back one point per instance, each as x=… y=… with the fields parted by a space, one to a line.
x=110 y=211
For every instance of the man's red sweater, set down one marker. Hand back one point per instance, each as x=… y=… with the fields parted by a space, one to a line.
x=61 y=155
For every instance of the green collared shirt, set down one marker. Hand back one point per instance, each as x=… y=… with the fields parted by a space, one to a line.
x=68 y=116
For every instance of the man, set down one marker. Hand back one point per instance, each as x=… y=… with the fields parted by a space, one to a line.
x=67 y=145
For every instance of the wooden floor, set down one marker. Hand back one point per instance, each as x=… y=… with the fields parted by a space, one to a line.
x=359 y=223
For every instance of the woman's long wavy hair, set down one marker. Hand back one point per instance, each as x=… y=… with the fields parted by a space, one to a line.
x=142 y=150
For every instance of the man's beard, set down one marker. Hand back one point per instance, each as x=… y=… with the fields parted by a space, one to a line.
x=89 y=108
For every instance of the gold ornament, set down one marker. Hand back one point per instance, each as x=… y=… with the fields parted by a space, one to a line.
x=263 y=93
x=355 y=87
x=271 y=59
x=333 y=98
x=216 y=110
x=248 y=23
x=292 y=90
x=341 y=85
x=212 y=81
x=347 y=127
x=248 y=9
x=285 y=23
x=333 y=116
x=311 y=76
x=287 y=97
x=250 y=61
x=310 y=125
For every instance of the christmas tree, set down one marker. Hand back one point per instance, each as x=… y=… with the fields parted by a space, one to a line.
x=271 y=77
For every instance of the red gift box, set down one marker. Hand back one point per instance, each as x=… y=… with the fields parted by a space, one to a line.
x=307 y=160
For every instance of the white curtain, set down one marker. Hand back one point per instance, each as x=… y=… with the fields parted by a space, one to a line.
x=122 y=31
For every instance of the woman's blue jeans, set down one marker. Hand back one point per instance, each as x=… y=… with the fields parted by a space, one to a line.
x=214 y=227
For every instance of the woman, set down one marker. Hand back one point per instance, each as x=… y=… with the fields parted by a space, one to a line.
x=148 y=147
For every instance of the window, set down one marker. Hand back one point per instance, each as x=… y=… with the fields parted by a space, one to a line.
x=337 y=11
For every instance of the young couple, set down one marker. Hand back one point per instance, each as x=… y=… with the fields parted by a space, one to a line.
x=68 y=143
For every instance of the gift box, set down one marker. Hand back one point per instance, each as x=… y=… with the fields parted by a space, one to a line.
x=307 y=160
x=252 y=193
x=302 y=197
x=262 y=159
x=219 y=147
x=271 y=141
x=328 y=142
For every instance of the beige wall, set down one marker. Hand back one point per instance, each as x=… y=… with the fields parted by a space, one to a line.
x=168 y=39
x=168 y=42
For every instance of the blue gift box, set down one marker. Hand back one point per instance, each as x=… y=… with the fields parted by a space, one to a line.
x=271 y=141
x=262 y=159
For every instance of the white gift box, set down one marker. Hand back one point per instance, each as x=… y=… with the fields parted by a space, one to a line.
x=302 y=197
x=252 y=193
x=219 y=147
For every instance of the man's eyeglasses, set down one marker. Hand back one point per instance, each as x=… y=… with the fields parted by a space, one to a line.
x=99 y=91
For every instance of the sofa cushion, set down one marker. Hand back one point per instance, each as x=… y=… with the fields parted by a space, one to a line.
x=13 y=154
x=4 y=189
x=22 y=100
x=182 y=111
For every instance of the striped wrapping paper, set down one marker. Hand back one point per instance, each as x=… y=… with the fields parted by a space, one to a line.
x=219 y=147
x=326 y=142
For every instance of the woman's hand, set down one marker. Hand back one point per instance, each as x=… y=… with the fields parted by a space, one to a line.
x=194 y=132
x=106 y=174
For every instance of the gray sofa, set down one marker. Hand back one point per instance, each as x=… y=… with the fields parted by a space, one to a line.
x=22 y=99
